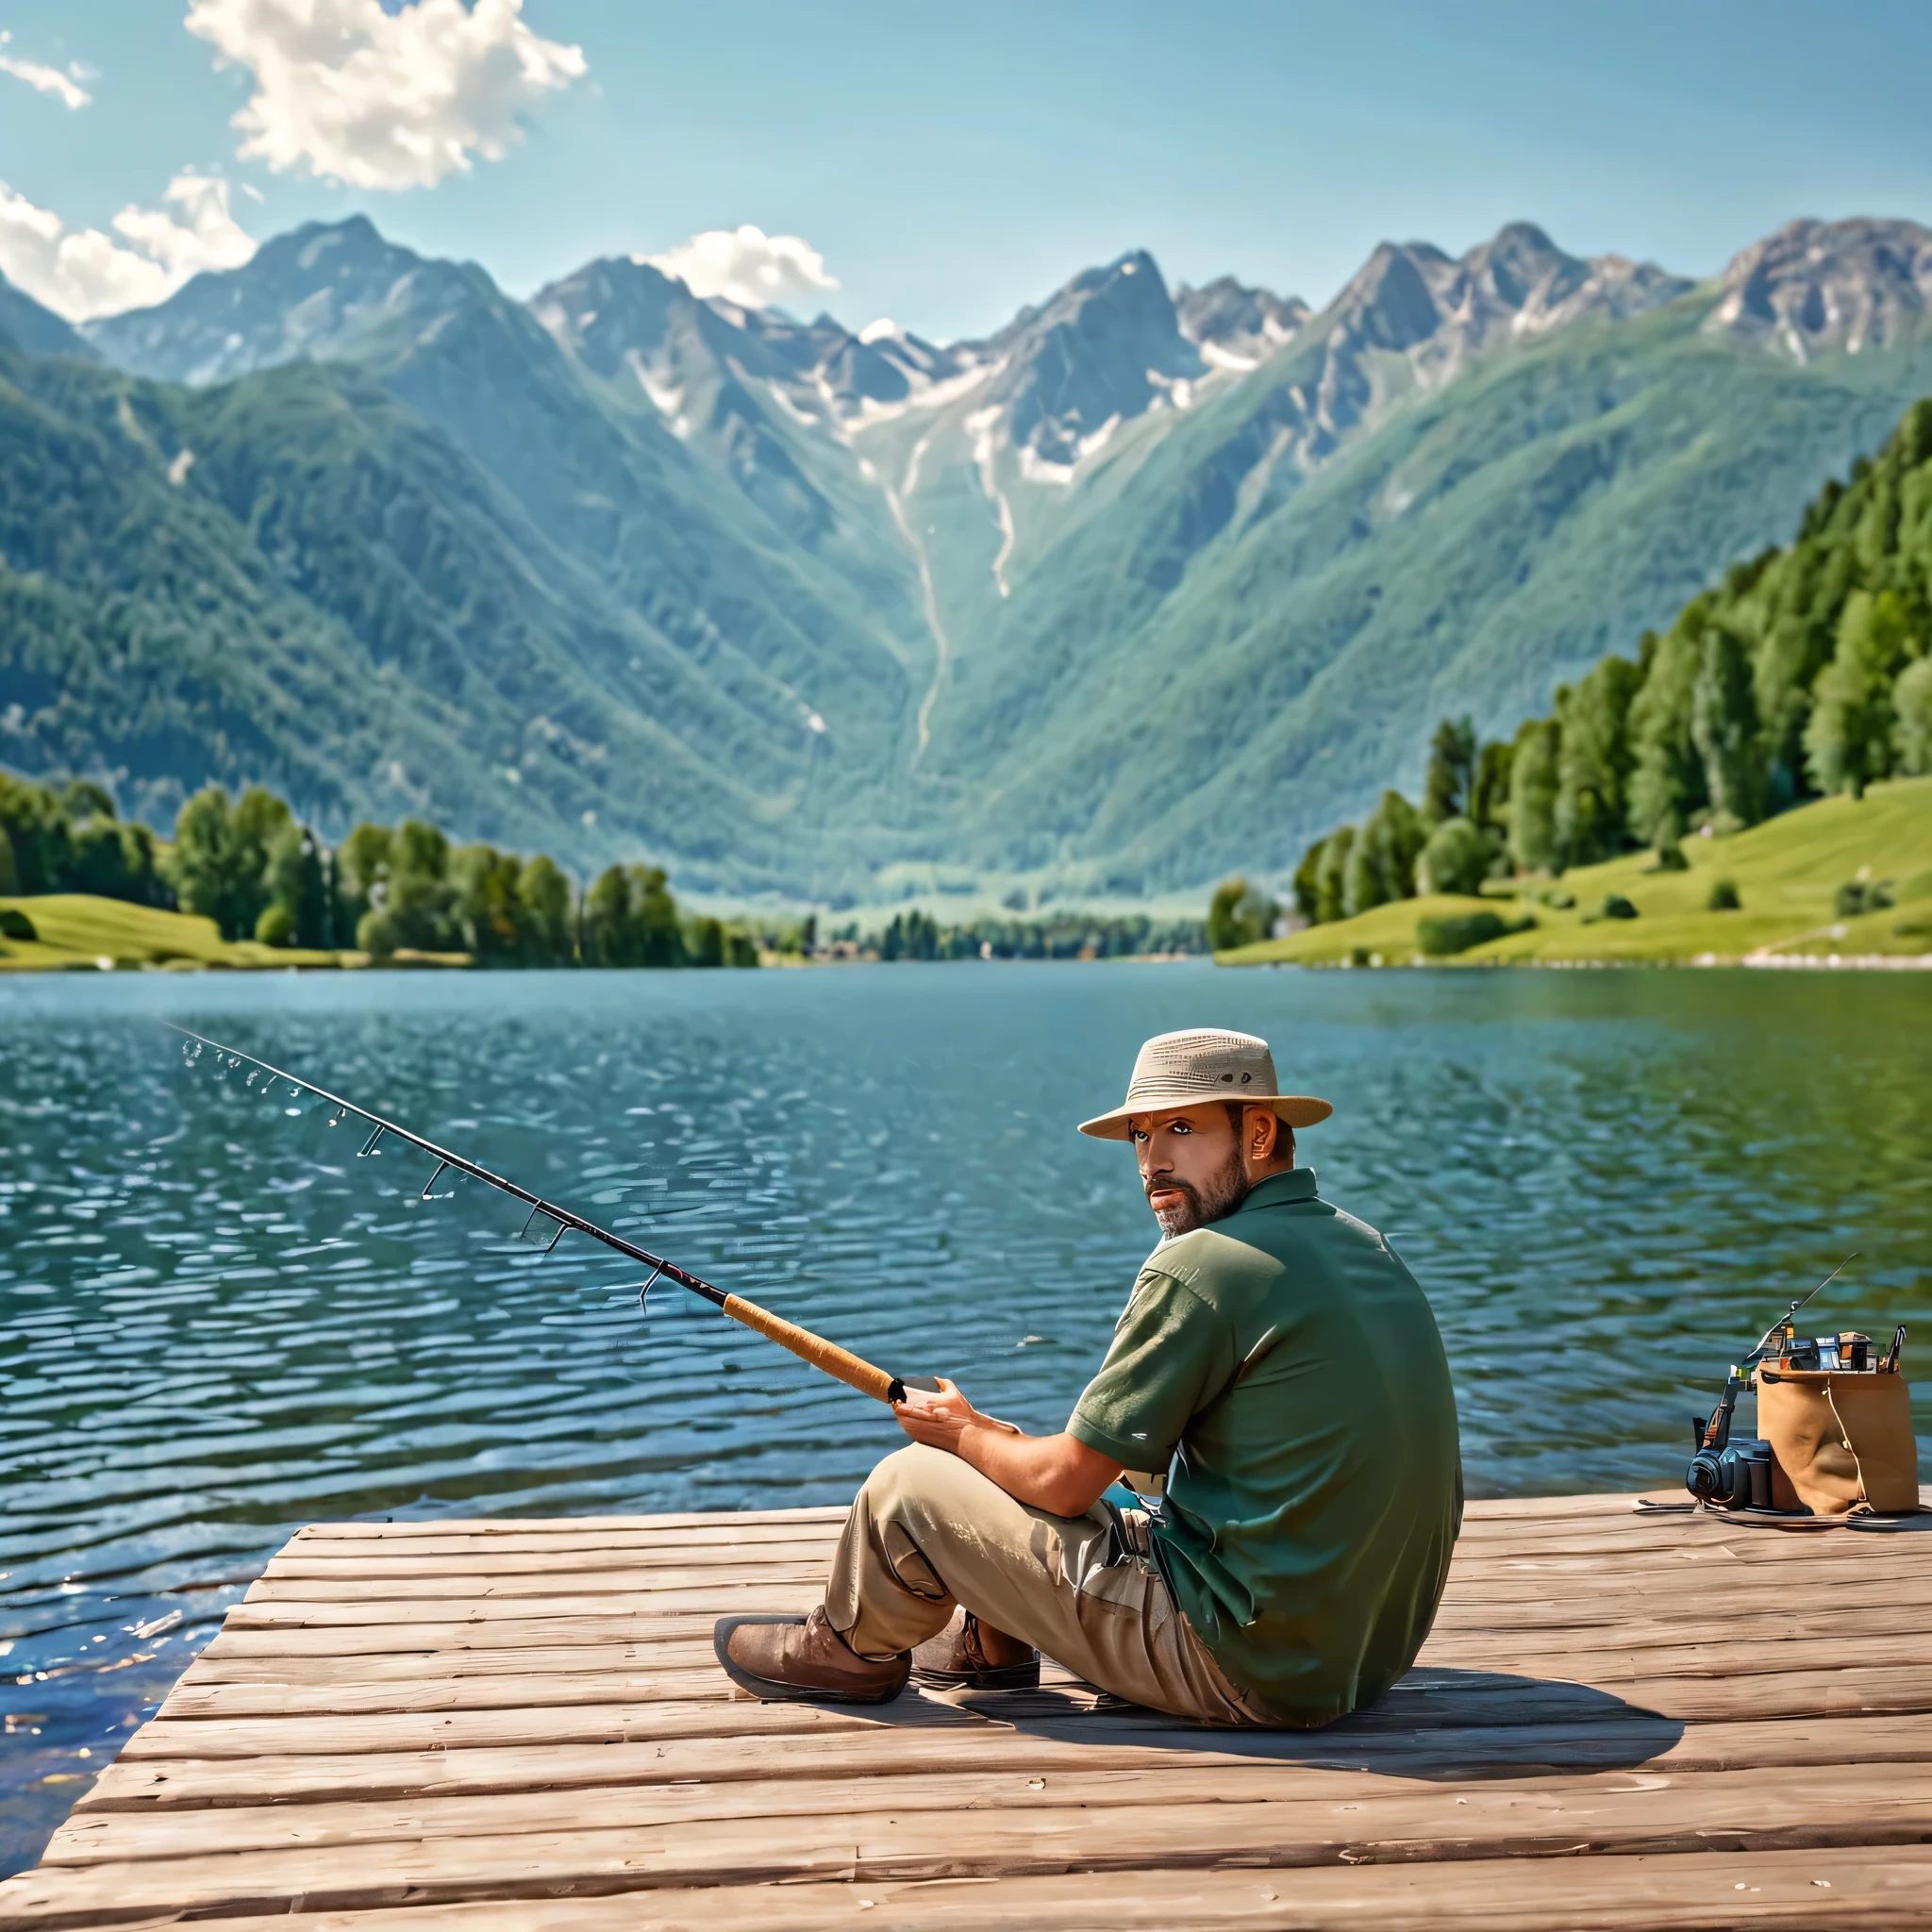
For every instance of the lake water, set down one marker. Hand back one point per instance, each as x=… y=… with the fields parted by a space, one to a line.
x=216 y=1323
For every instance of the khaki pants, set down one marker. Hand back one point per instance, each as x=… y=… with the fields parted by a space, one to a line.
x=928 y=1531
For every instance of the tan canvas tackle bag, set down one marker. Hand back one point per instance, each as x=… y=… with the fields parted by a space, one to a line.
x=1841 y=1440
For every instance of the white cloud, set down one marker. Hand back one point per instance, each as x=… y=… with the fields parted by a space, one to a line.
x=748 y=266
x=87 y=273
x=381 y=99
x=48 y=80
x=210 y=238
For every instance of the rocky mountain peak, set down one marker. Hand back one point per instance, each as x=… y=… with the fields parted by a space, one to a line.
x=622 y=313
x=1234 y=326
x=1391 y=301
x=1106 y=346
x=304 y=293
x=1817 y=286
x=616 y=312
x=1520 y=268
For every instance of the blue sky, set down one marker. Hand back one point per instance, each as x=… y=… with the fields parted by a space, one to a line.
x=950 y=163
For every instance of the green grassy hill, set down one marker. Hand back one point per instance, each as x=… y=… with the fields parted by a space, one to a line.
x=1787 y=873
x=77 y=930
x=81 y=932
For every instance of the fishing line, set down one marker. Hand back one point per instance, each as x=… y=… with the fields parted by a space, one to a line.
x=840 y=1363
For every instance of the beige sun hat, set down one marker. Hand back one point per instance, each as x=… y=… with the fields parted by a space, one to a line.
x=1206 y=1063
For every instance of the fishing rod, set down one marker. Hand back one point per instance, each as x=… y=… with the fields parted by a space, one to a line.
x=1764 y=1342
x=840 y=1363
x=1716 y=1432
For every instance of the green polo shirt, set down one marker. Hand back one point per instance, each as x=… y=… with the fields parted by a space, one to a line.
x=1284 y=1367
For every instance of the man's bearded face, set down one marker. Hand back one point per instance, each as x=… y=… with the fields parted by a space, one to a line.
x=1191 y=1167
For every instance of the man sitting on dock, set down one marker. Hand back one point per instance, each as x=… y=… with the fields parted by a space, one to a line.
x=1277 y=1373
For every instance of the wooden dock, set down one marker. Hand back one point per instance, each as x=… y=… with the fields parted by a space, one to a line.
x=1623 y=1720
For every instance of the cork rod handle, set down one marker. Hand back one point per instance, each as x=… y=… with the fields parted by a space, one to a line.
x=837 y=1362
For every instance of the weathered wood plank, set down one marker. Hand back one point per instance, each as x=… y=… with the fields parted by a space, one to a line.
x=1783 y=1565
x=194 y=1699
x=165 y=1736
x=443 y=1592
x=1765 y=1892
x=1715 y=1649
x=348 y=1585
x=718 y=1525
x=1030 y=1835
x=721 y=1526
x=1303 y=1814
x=722 y=1533
x=1485 y=1696
x=1884 y=1604
x=148 y=1784
x=415 y=1560
x=441 y=1606
x=603 y=1548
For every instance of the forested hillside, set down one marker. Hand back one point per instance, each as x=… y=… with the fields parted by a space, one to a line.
x=1807 y=672
x=1146 y=584
x=439 y=578
x=252 y=868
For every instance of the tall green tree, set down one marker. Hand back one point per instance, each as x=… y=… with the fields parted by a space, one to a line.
x=486 y=904
x=1724 y=729
x=1848 y=741
x=38 y=834
x=300 y=913
x=1380 y=866
x=704 y=943
x=544 y=919
x=1452 y=770
x=220 y=862
x=361 y=878
x=1594 y=762
x=1331 y=874
x=1457 y=859
x=1911 y=700
x=1533 y=797
x=1306 y=898
x=1667 y=775
x=631 y=918
x=1238 y=915
x=412 y=905
x=1488 y=799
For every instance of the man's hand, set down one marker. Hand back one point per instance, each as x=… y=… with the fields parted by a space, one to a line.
x=1058 y=1474
x=943 y=1420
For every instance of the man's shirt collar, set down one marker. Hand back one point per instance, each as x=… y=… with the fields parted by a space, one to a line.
x=1297 y=1184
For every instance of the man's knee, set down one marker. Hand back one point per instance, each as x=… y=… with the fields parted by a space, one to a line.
x=912 y=1477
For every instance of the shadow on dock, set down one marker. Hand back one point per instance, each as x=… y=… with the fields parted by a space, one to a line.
x=1443 y=1726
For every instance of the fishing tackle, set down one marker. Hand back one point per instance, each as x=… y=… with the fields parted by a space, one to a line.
x=840 y=1363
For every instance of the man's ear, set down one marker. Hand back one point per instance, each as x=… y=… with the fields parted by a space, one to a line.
x=1263 y=1132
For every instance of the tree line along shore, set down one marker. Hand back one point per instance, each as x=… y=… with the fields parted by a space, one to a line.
x=244 y=883
x=1804 y=678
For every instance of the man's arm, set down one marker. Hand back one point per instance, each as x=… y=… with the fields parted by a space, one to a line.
x=1058 y=1474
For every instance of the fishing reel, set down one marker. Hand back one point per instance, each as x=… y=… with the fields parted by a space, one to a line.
x=1723 y=1474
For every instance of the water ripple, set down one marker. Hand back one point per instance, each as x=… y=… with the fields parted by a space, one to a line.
x=217 y=1322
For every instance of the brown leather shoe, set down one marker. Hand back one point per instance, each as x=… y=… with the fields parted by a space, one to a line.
x=803 y=1658
x=969 y=1655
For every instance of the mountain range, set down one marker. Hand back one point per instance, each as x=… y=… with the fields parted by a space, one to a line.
x=1146 y=584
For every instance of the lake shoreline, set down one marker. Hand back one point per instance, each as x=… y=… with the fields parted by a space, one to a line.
x=1827 y=962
